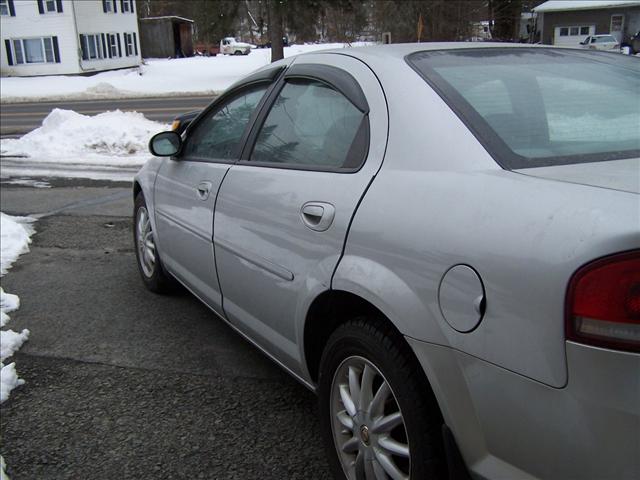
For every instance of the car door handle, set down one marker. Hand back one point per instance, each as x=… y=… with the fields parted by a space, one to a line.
x=203 y=189
x=317 y=216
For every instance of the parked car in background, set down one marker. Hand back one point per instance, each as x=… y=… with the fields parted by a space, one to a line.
x=181 y=122
x=230 y=46
x=601 y=42
x=441 y=240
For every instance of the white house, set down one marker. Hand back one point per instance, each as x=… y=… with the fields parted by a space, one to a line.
x=52 y=37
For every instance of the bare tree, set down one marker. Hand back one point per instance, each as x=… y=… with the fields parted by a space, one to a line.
x=276 y=32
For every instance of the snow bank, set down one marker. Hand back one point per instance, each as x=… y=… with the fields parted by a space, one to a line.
x=15 y=235
x=110 y=138
x=14 y=239
x=194 y=75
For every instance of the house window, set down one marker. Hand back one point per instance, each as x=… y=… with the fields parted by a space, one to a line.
x=584 y=30
x=33 y=50
x=91 y=47
x=130 y=44
x=617 y=21
x=125 y=6
x=107 y=6
x=50 y=6
x=4 y=7
x=564 y=32
x=112 y=45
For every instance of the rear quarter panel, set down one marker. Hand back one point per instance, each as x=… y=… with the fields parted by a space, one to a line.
x=440 y=200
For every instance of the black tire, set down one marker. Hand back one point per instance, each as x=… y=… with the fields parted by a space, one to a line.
x=385 y=348
x=158 y=281
x=237 y=52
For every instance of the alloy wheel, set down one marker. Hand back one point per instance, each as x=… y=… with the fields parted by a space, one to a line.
x=145 y=243
x=368 y=427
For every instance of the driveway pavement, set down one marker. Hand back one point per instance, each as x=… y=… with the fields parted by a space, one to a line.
x=123 y=383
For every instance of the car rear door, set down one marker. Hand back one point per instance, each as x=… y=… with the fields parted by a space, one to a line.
x=283 y=211
x=186 y=186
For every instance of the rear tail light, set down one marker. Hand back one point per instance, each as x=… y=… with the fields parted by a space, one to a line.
x=603 y=303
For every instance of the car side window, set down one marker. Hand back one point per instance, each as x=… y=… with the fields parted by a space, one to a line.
x=218 y=136
x=311 y=125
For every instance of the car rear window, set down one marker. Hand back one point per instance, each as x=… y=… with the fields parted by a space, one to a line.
x=535 y=107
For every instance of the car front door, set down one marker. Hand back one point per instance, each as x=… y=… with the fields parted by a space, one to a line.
x=186 y=188
x=283 y=211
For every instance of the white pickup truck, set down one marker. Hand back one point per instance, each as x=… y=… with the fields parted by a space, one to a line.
x=229 y=46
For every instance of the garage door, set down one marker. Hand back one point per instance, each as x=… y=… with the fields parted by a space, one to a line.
x=571 y=36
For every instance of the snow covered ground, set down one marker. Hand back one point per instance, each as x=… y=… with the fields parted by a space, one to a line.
x=202 y=75
x=108 y=146
x=15 y=233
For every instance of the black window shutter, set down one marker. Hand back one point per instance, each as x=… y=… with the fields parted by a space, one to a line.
x=115 y=6
x=104 y=46
x=56 y=50
x=126 y=44
x=7 y=44
x=85 y=55
x=41 y=7
x=135 y=43
x=59 y=5
x=122 y=6
x=109 y=44
x=131 y=3
x=12 y=9
x=119 y=47
x=104 y=6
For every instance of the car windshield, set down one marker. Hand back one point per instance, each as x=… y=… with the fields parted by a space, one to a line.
x=535 y=107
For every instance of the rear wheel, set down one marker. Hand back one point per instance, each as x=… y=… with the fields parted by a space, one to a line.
x=237 y=52
x=150 y=267
x=379 y=418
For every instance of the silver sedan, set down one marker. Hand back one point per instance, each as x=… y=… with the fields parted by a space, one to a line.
x=441 y=240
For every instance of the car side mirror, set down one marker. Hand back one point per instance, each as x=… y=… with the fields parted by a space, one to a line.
x=165 y=144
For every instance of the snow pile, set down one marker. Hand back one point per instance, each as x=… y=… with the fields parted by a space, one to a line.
x=14 y=239
x=10 y=342
x=69 y=137
x=15 y=235
x=194 y=75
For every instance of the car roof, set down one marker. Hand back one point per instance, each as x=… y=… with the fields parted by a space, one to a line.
x=402 y=49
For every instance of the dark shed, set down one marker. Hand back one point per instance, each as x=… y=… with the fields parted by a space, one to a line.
x=162 y=37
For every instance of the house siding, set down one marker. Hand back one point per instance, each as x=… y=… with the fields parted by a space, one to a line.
x=28 y=23
x=89 y=19
x=92 y=20
x=601 y=18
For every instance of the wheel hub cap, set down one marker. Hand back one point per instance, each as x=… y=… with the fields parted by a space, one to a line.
x=364 y=434
x=145 y=243
x=368 y=427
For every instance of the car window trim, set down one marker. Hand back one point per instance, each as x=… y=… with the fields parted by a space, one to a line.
x=261 y=78
x=265 y=109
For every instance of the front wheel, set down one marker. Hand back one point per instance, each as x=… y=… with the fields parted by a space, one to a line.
x=151 y=270
x=378 y=415
x=237 y=52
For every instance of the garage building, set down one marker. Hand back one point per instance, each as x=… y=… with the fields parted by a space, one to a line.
x=567 y=23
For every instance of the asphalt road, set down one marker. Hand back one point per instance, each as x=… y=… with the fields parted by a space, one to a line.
x=18 y=118
x=122 y=383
